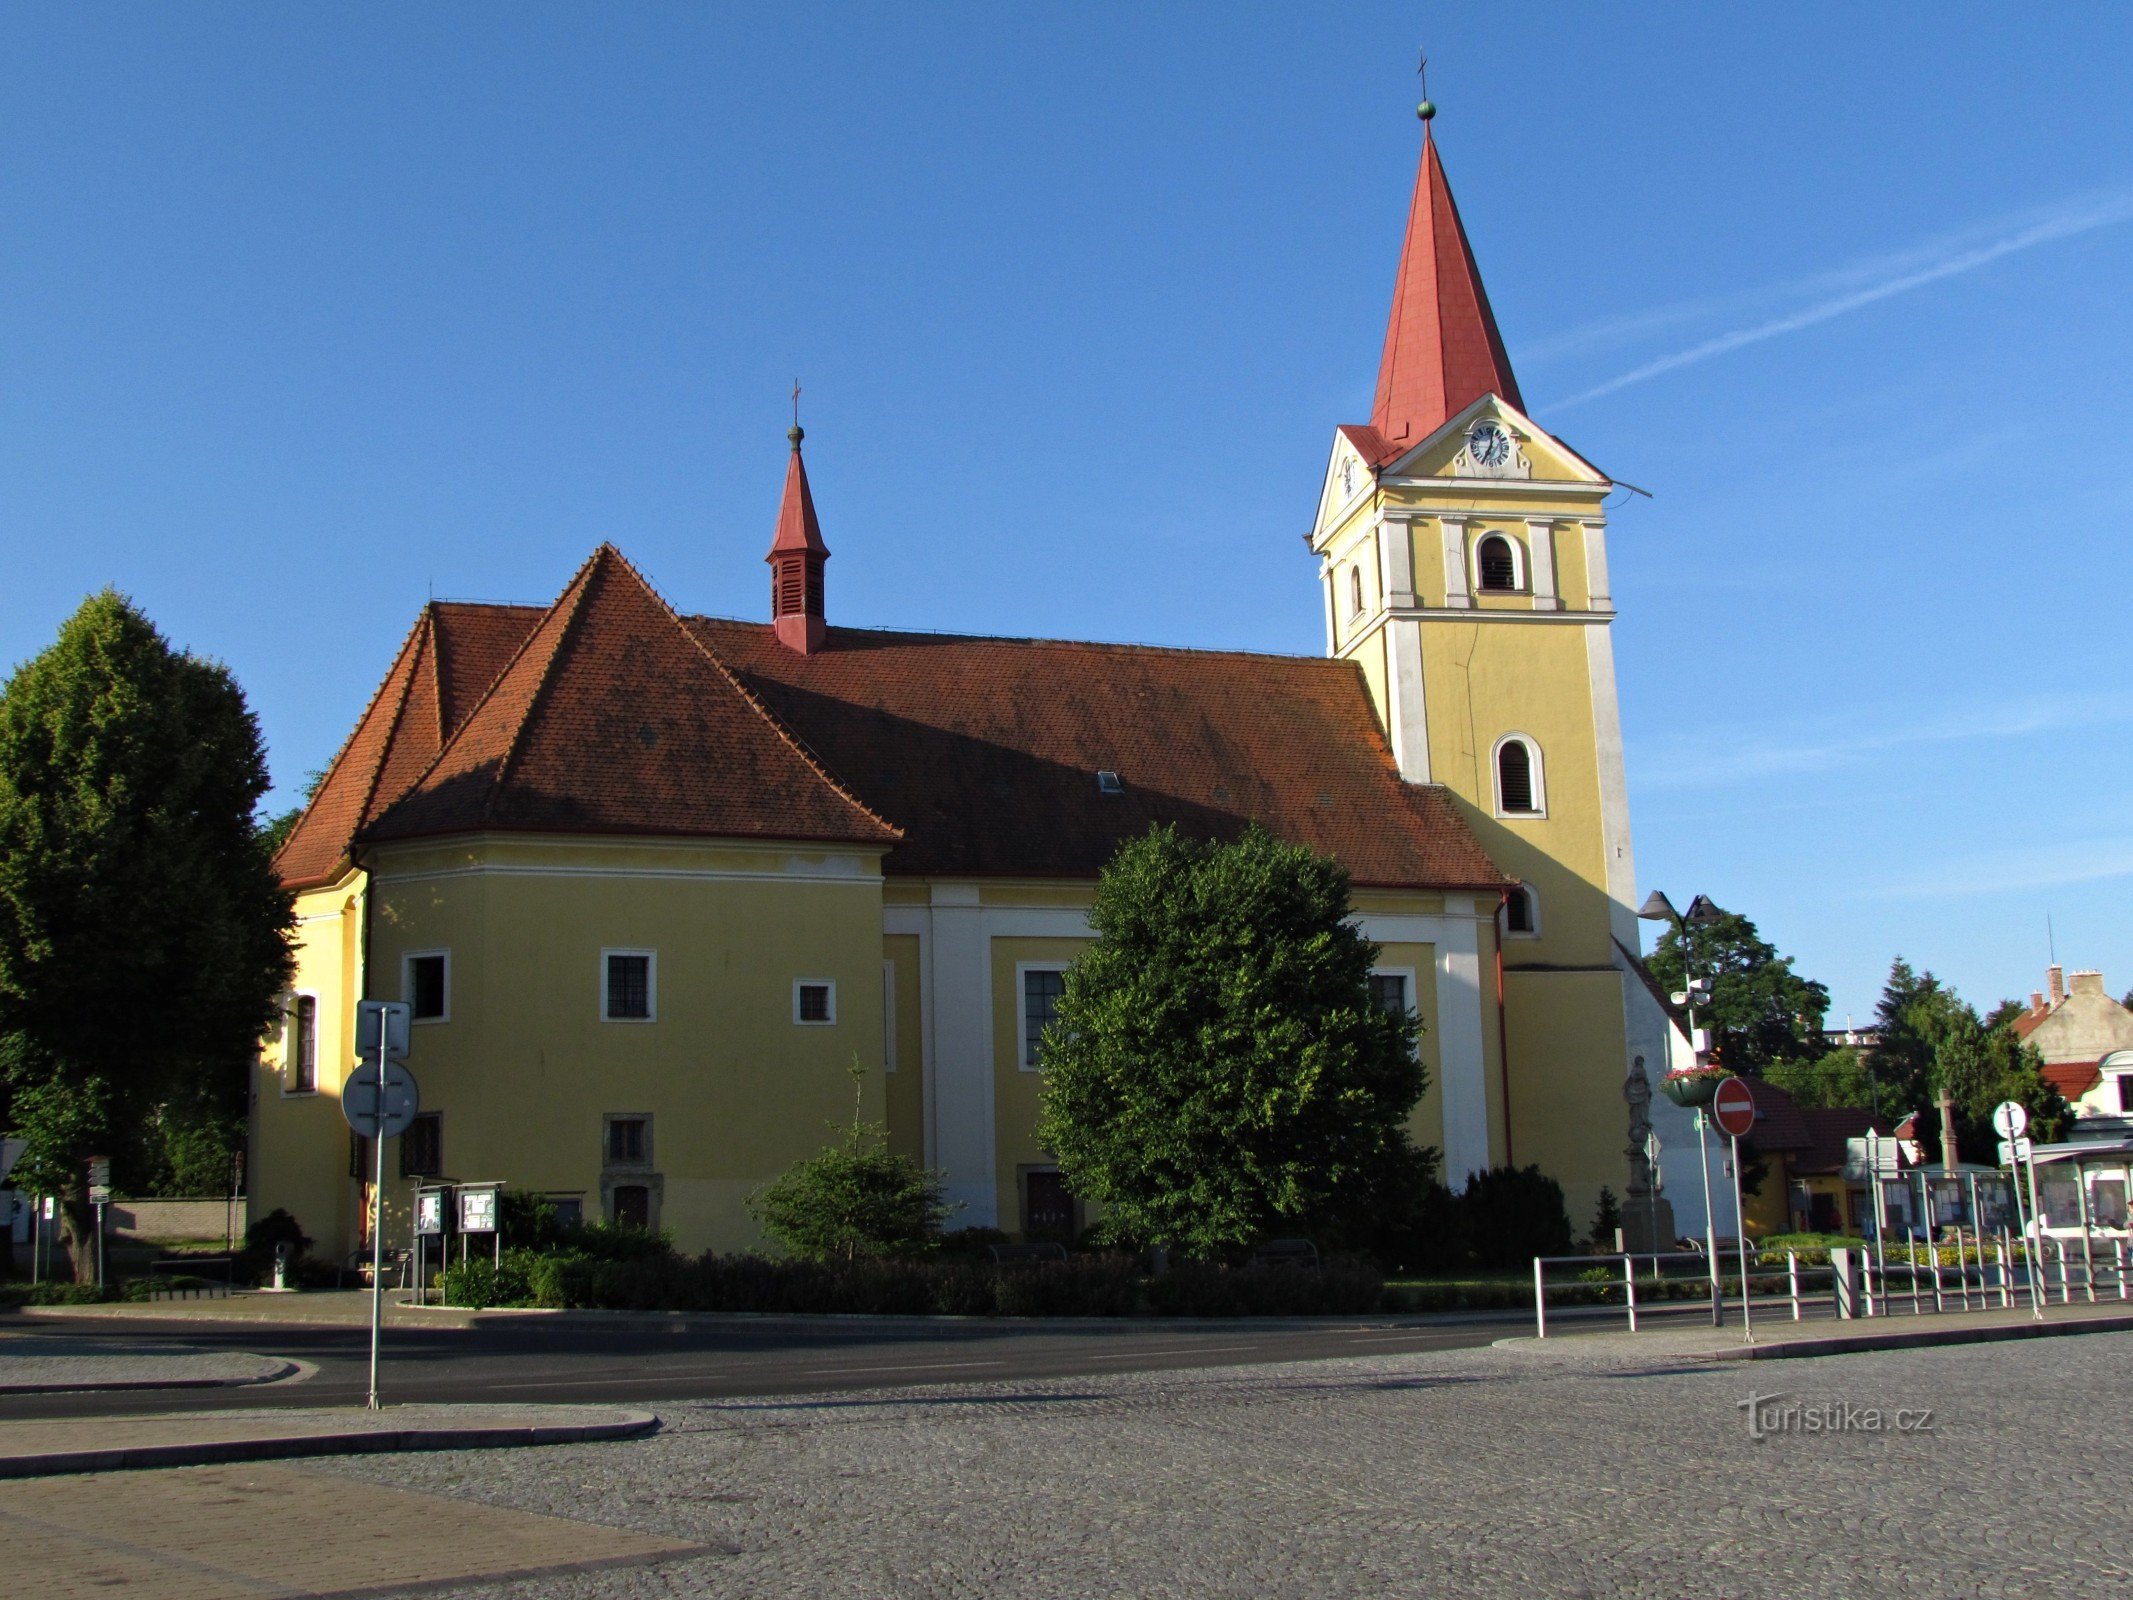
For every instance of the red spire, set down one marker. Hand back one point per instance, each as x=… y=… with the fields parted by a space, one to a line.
x=796 y=557
x=1442 y=350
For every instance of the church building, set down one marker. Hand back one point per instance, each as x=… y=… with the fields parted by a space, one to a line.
x=654 y=882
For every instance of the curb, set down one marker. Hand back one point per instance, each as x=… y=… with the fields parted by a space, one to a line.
x=352 y=1441
x=1922 y=1339
x=285 y=1370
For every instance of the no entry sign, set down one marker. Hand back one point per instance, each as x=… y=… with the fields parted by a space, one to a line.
x=1733 y=1109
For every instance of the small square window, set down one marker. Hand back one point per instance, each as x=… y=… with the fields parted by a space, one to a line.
x=626 y=985
x=629 y=1141
x=1389 y=990
x=427 y=987
x=630 y=1206
x=569 y=1209
x=814 y=1000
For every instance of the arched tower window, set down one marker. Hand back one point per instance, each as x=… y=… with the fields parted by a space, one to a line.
x=1355 y=591
x=1519 y=791
x=1521 y=913
x=1496 y=565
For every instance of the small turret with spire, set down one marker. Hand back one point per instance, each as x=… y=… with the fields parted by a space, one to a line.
x=796 y=556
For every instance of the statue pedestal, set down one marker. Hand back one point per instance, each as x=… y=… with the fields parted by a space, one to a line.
x=1648 y=1225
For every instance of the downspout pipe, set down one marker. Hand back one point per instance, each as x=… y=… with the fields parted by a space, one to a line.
x=1503 y=1029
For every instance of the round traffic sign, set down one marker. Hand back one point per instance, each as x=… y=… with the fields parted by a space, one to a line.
x=373 y=1114
x=2009 y=1120
x=1733 y=1109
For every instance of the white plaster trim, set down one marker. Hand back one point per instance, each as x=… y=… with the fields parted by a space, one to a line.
x=1396 y=563
x=1540 y=543
x=1552 y=488
x=1614 y=786
x=1490 y=614
x=1407 y=714
x=829 y=1021
x=681 y=874
x=407 y=985
x=1599 y=595
x=1535 y=762
x=1462 y=1067
x=651 y=986
x=888 y=1015
x=1022 y=971
x=1453 y=530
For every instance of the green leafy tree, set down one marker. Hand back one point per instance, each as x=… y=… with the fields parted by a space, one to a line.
x=1760 y=1010
x=1220 y=1069
x=143 y=935
x=274 y=831
x=1836 y=1078
x=1917 y=1011
x=1931 y=1039
x=857 y=1198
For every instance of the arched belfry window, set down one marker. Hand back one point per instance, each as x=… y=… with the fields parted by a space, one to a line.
x=1496 y=565
x=1521 y=913
x=1355 y=591
x=1519 y=792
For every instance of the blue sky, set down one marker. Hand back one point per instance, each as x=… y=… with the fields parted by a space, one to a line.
x=308 y=315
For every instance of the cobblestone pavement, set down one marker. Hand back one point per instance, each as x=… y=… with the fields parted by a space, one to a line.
x=41 y=1363
x=1554 y=1471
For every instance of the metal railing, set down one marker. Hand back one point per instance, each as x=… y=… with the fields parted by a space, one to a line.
x=1977 y=1275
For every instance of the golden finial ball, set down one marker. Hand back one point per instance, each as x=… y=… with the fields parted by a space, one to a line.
x=1426 y=110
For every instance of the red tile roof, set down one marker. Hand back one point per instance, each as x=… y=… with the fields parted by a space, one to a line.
x=974 y=756
x=985 y=751
x=798 y=527
x=1442 y=348
x=2073 y=1079
x=613 y=718
x=1830 y=1131
x=1779 y=1124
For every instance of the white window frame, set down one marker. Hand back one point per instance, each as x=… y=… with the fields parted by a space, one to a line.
x=1534 y=764
x=1022 y=971
x=1413 y=980
x=407 y=984
x=829 y=1021
x=888 y=1016
x=1533 y=908
x=651 y=986
x=1521 y=567
x=290 y=1034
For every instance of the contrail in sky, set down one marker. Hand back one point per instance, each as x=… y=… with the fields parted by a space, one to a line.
x=2083 y=216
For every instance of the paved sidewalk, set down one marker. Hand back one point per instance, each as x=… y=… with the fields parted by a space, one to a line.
x=42 y=1448
x=43 y=1365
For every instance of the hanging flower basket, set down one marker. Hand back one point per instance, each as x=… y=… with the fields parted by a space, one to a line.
x=1694 y=1088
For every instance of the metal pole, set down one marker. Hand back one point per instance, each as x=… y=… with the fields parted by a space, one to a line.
x=1931 y=1214
x=1740 y=1222
x=1629 y=1286
x=1540 y=1301
x=2088 y=1249
x=2029 y=1245
x=1792 y=1280
x=377 y=1216
x=1710 y=1216
x=2006 y=1288
x=100 y=1245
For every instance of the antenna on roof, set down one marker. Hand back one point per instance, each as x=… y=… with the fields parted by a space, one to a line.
x=2051 y=942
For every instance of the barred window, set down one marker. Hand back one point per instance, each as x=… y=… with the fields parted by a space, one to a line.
x=626 y=986
x=1499 y=564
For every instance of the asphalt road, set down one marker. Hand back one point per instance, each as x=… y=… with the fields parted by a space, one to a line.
x=704 y=1361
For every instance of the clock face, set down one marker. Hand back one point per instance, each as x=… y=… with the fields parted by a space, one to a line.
x=1488 y=444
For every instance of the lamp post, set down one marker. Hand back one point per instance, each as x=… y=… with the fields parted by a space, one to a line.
x=1702 y=913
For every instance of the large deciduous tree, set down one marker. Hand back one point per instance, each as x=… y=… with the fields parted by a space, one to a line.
x=143 y=936
x=1760 y=1010
x=1931 y=1039
x=1219 y=1068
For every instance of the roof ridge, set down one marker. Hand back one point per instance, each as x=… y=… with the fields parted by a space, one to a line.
x=582 y=582
x=1122 y=645
x=754 y=702
x=425 y=641
x=355 y=733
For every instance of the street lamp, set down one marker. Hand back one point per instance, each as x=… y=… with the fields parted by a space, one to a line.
x=1702 y=914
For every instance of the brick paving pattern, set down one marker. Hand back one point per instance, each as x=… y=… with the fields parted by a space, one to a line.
x=1579 y=1469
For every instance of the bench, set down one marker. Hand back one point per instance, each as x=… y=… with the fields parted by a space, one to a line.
x=1023 y=1255
x=1286 y=1253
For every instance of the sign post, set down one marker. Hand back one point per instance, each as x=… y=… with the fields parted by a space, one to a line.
x=1733 y=1109
x=2010 y=1120
x=379 y=1100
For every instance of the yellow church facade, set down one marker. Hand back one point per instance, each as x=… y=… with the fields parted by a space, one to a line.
x=655 y=883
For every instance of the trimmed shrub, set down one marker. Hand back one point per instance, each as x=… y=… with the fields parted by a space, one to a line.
x=1514 y=1214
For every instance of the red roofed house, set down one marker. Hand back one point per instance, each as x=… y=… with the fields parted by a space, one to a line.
x=653 y=882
